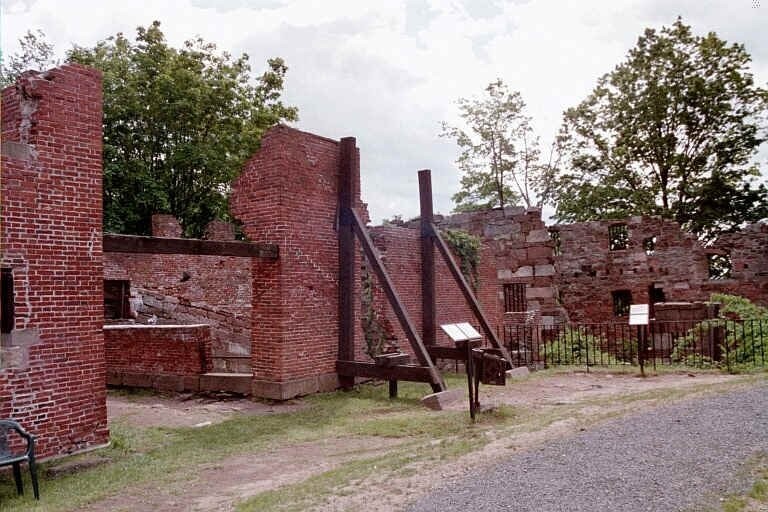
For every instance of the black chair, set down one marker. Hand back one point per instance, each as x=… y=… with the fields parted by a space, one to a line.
x=8 y=458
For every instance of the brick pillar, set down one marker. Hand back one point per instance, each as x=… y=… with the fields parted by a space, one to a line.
x=220 y=230
x=287 y=195
x=51 y=240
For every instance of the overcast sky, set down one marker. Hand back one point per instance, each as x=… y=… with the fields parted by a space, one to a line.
x=389 y=72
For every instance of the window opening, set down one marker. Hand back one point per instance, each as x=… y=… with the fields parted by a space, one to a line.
x=554 y=235
x=649 y=245
x=8 y=312
x=117 y=304
x=618 y=237
x=621 y=302
x=514 y=298
x=720 y=266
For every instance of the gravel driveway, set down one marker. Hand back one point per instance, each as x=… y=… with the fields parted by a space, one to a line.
x=682 y=456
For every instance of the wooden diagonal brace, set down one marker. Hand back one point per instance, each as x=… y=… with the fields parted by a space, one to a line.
x=468 y=294
x=397 y=305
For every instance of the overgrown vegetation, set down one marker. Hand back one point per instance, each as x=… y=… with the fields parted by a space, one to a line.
x=576 y=347
x=467 y=247
x=742 y=327
x=373 y=330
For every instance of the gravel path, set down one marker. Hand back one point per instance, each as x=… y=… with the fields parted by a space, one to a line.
x=681 y=456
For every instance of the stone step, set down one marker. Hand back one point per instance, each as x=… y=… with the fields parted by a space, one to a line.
x=231 y=382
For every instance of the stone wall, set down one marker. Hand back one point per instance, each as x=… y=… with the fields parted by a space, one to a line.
x=52 y=367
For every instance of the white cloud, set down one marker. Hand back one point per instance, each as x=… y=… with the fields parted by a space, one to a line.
x=388 y=72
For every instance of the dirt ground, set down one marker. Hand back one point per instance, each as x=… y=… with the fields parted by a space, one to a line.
x=219 y=486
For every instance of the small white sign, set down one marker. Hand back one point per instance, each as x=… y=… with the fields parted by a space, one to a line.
x=461 y=332
x=638 y=314
x=469 y=331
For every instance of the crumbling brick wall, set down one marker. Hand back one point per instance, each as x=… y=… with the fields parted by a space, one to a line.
x=52 y=369
x=287 y=195
x=192 y=289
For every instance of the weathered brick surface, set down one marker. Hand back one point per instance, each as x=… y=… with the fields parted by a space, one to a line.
x=156 y=350
x=748 y=250
x=401 y=251
x=192 y=289
x=287 y=194
x=51 y=238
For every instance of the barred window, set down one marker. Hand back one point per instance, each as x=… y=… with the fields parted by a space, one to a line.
x=8 y=305
x=618 y=237
x=117 y=299
x=621 y=302
x=514 y=298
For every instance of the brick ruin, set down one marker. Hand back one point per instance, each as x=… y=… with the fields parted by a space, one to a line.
x=81 y=308
x=52 y=365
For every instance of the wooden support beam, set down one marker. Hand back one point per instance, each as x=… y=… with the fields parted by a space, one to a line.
x=438 y=352
x=397 y=305
x=346 y=257
x=158 y=245
x=409 y=373
x=428 y=301
x=469 y=295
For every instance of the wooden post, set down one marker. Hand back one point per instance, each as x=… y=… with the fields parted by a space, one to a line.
x=346 y=256
x=428 y=305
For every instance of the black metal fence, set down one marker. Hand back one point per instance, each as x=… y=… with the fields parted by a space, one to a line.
x=728 y=344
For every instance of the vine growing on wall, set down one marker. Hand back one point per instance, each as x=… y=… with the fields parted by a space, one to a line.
x=373 y=330
x=467 y=248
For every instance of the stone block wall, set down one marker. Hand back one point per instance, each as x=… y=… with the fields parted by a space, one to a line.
x=520 y=250
x=748 y=251
x=287 y=195
x=588 y=272
x=52 y=366
x=165 y=357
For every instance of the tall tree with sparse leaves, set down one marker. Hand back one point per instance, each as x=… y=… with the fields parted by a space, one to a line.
x=178 y=125
x=35 y=53
x=499 y=158
x=671 y=131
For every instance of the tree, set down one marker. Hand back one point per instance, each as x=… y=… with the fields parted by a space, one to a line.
x=498 y=151
x=36 y=53
x=671 y=131
x=178 y=125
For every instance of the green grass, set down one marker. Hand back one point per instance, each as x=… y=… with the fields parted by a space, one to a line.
x=164 y=456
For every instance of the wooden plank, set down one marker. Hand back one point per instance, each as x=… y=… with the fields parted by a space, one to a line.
x=397 y=305
x=409 y=373
x=157 y=245
x=438 y=352
x=428 y=300
x=469 y=295
x=346 y=256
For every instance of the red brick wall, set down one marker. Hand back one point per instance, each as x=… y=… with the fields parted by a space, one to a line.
x=137 y=351
x=287 y=195
x=216 y=290
x=52 y=373
x=401 y=251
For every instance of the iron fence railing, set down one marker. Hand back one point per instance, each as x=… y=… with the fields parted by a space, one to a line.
x=717 y=343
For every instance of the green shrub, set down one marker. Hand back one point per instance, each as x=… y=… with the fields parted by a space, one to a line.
x=575 y=347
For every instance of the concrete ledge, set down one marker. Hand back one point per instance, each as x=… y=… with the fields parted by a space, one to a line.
x=286 y=390
x=177 y=383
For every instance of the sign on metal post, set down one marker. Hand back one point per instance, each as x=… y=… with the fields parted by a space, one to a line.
x=638 y=315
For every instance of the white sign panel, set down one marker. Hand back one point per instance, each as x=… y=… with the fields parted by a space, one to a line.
x=638 y=314
x=461 y=332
